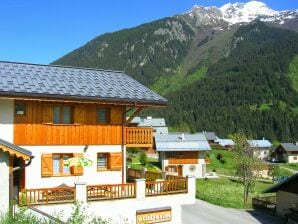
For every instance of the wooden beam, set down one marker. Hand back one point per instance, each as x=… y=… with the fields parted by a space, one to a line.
x=13 y=152
x=134 y=115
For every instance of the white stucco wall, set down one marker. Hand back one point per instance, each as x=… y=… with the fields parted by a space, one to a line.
x=285 y=200
x=291 y=158
x=262 y=153
x=124 y=211
x=91 y=175
x=6 y=119
x=4 y=182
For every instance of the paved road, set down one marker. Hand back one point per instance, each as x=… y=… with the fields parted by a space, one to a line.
x=206 y=213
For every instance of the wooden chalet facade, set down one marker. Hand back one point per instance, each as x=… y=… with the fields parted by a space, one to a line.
x=183 y=154
x=60 y=112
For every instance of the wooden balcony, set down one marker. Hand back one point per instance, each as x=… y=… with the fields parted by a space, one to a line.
x=139 y=137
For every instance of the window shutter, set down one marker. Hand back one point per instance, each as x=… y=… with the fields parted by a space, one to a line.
x=167 y=168
x=46 y=165
x=75 y=170
x=79 y=114
x=115 y=161
x=116 y=115
x=47 y=113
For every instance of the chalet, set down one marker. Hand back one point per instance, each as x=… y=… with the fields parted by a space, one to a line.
x=287 y=152
x=261 y=148
x=52 y=113
x=210 y=136
x=286 y=197
x=182 y=154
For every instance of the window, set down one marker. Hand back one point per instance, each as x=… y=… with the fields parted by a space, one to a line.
x=109 y=161
x=20 y=108
x=172 y=169
x=62 y=115
x=102 y=161
x=58 y=164
x=103 y=115
x=295 y=158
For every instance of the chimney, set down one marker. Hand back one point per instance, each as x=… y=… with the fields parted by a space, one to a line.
x=182 y=137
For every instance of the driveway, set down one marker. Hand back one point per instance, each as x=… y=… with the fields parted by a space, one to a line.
x=205 y=213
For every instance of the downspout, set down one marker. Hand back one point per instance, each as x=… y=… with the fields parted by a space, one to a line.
x=124 y=112
x=122 y=144
x=11 y=190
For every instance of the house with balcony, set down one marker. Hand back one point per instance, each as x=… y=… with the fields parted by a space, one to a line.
x=53 y=113
x=183 y=154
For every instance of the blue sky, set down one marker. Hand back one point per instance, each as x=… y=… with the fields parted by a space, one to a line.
x=40 y=31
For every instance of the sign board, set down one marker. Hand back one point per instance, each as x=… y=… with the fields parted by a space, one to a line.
x=155 y=215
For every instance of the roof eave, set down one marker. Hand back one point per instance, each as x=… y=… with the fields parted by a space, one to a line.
x=74 y=98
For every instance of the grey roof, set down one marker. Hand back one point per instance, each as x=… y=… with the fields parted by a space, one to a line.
x=181 y=142
x=225 y=142
x=152 y=122
x=290 y=147
x=210 y=136
x=259 y=143
x=291 y=180
x=15 y=147
x=20 y=79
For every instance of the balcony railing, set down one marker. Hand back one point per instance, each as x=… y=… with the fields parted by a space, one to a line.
x=111 y=192
x=47 y=196
x=139 y=137
x=164 y=187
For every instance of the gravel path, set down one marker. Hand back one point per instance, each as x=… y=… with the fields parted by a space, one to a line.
x=205 y=213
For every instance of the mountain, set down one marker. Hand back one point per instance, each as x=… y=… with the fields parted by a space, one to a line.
x=221 y=68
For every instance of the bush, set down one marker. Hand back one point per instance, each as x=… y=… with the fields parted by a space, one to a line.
x=143 y=158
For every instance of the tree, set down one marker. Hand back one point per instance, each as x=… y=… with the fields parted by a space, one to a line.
x=246 y=165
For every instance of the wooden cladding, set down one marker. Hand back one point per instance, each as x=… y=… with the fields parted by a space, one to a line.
x=36 y=126
x=183 y=158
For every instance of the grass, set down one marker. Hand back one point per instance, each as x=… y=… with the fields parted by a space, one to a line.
x=165 y=85
x=225 y=165
x=152 y=163
x=226 y=192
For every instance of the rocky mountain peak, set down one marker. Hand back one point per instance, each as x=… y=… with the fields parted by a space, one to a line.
x=240 y=13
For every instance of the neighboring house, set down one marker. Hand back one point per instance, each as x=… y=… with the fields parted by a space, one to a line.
x=210 y=136
x=13 y=160
x=158 y=124
x=286 y=196
x=261 y=148
x=287 y=152
x=227 y=143
x=182 y=154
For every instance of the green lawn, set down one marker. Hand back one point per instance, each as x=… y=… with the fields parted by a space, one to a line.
x=226 y=192
x=223 y=166
x=152 y=164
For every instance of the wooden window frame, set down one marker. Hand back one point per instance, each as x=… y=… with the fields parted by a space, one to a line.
x=24 y=111
x=107 y=115
x=107 y=162
x=61 y=165
x=61 y=111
